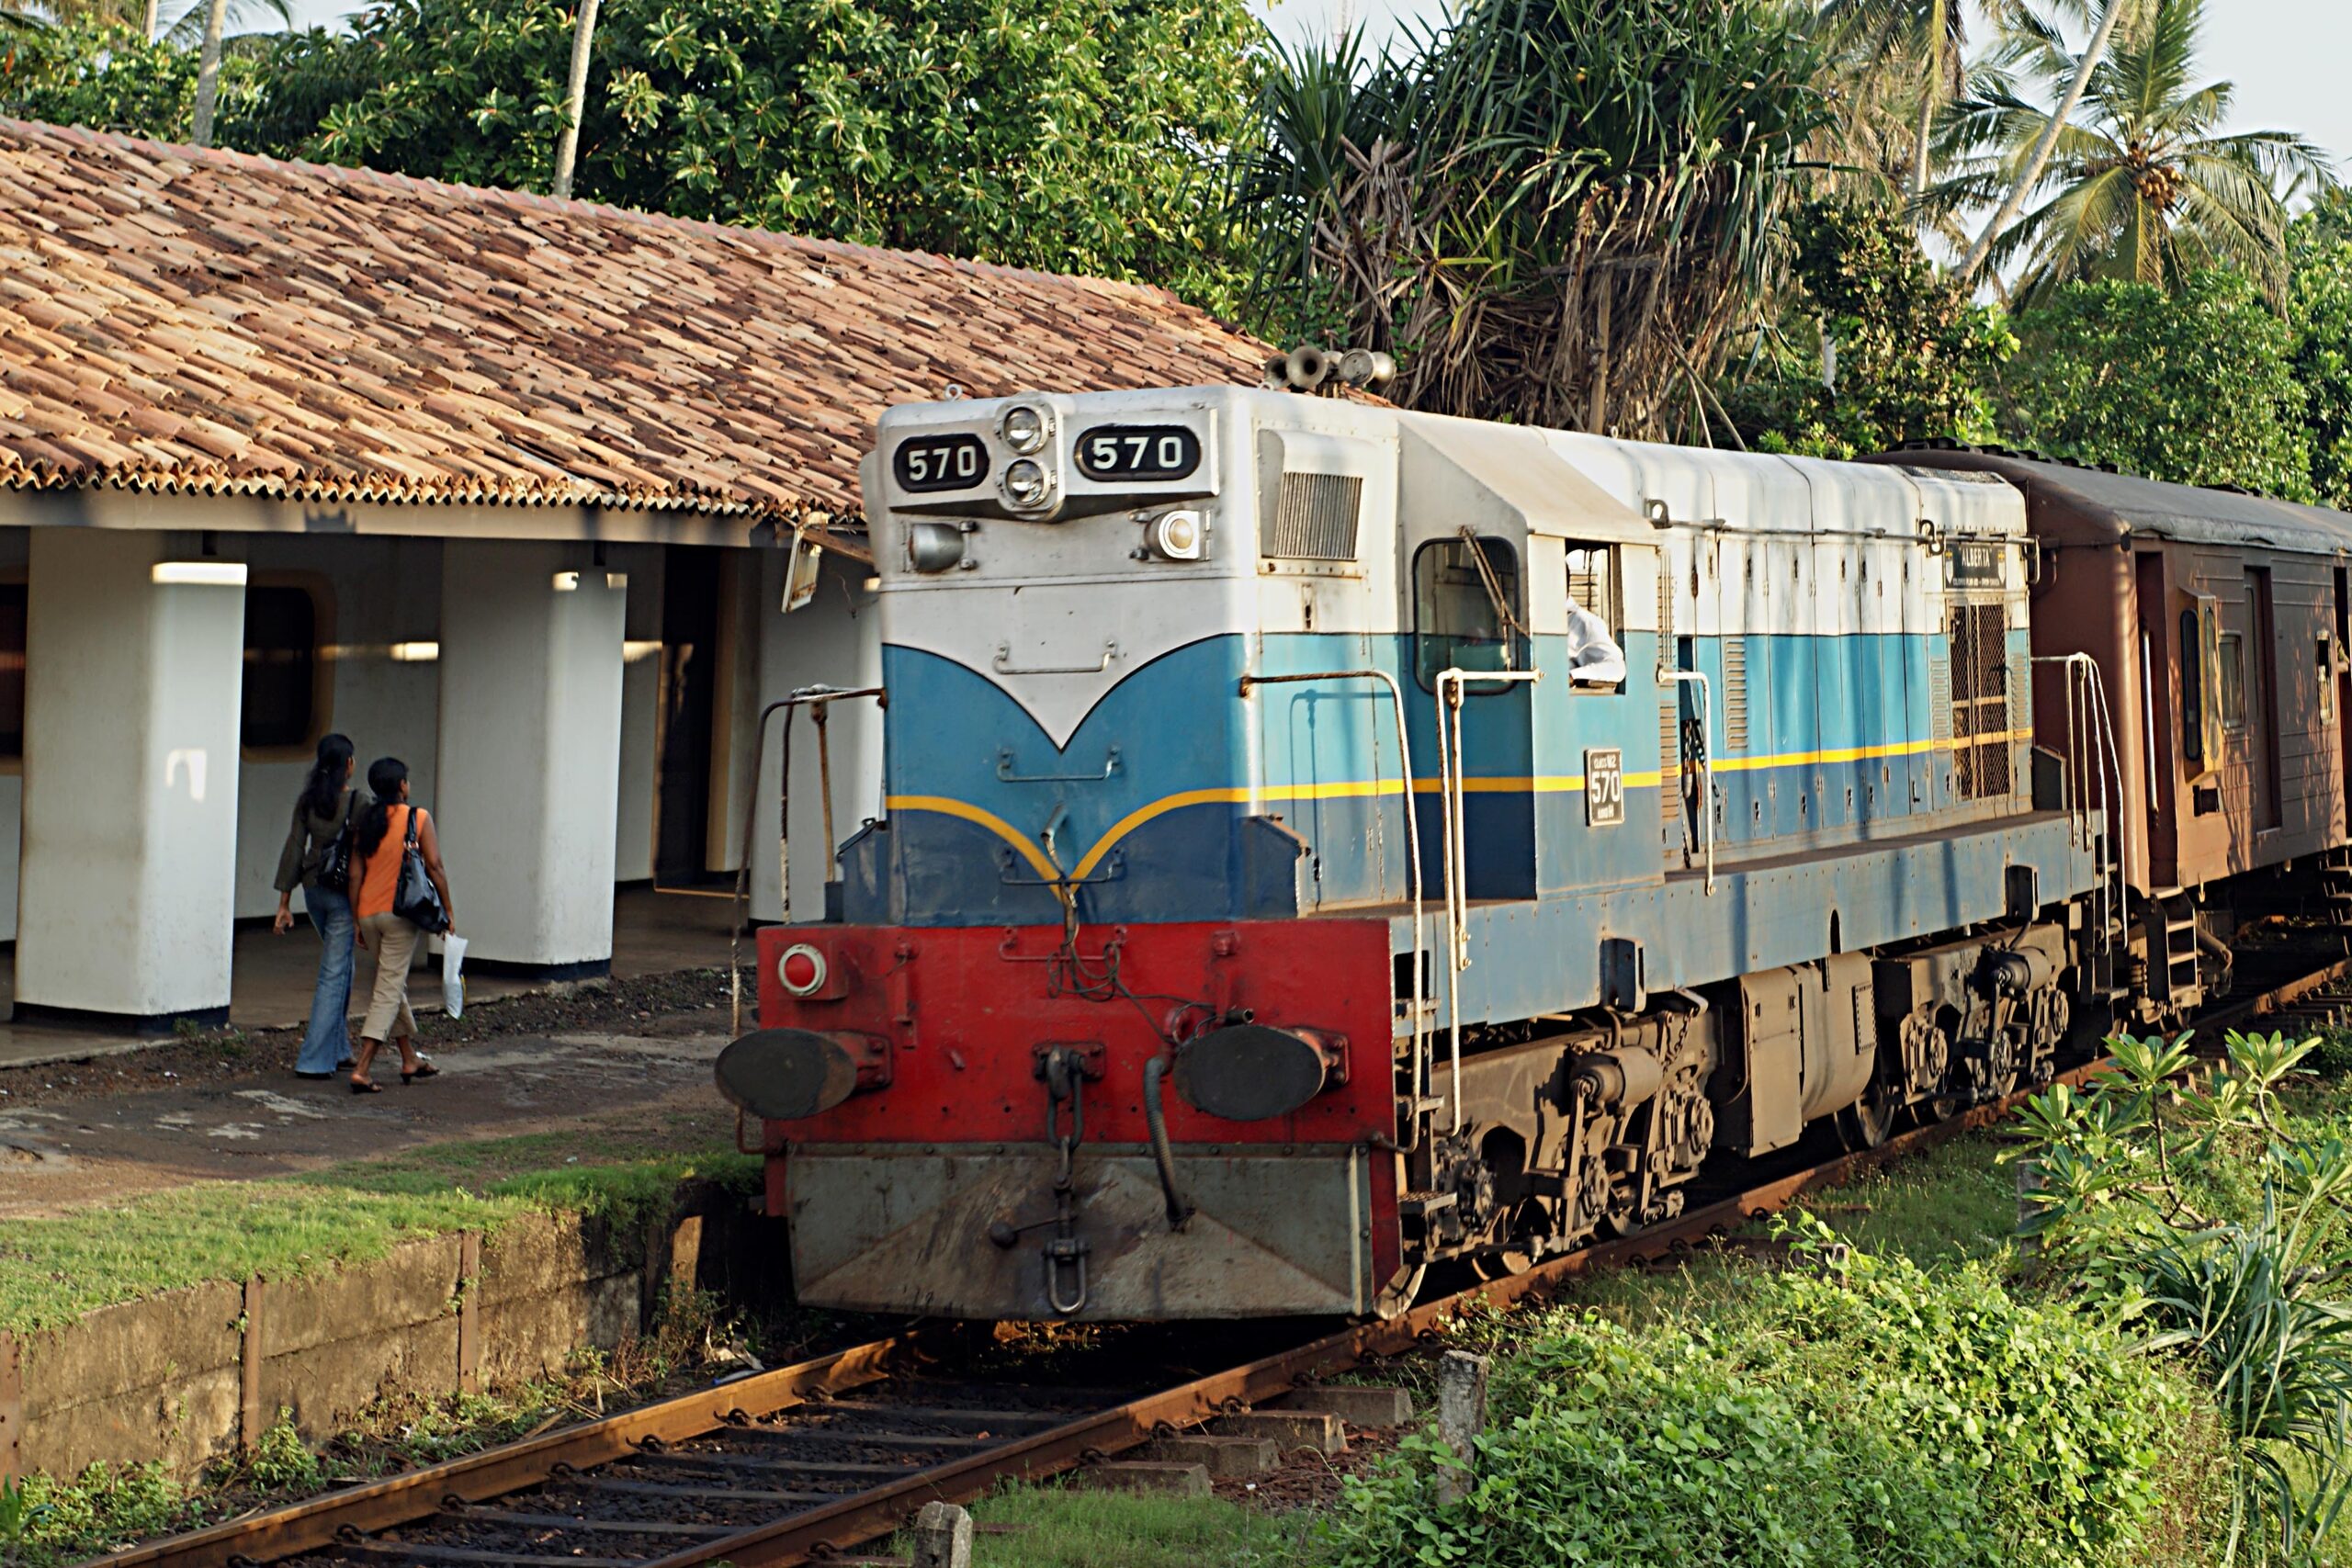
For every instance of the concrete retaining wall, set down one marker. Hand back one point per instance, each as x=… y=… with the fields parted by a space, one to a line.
x=193 y=1375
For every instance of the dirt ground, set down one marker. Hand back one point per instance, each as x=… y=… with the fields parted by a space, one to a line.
x=633 y=1055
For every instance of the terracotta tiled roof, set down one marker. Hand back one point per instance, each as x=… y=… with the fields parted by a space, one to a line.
x=180 y=319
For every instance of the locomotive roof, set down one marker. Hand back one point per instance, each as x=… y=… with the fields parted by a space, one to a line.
x=2070 y=503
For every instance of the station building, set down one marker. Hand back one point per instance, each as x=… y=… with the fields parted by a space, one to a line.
x=505 y=485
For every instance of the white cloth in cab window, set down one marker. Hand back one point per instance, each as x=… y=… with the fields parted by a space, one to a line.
x=1593 y=653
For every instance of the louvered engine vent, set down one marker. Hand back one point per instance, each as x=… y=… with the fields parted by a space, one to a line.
x=1315 y=517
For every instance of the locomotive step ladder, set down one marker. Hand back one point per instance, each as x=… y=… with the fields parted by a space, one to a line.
x=2180 y=976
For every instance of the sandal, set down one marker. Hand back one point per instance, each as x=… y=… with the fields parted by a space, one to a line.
x=301 y=1074
x=364 y=1086
x=425 y=1070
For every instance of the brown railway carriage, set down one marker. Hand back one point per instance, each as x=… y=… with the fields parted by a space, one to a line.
x=2218 y=622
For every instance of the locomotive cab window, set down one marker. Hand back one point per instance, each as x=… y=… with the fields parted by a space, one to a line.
x=1466 y=599
x=1596 y=658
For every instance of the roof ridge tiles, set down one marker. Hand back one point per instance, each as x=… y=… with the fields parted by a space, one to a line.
x=392 y=182
x=200 y=320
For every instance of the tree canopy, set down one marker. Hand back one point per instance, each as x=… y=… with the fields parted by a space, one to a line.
x=2197 y=386
x=1073 y=135
x=1553 y=211
x=1908 y=358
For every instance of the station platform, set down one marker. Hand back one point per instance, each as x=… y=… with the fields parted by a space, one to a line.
x=654 y=931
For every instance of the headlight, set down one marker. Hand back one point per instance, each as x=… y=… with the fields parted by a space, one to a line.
x=1177 y=536
x=1024 y=427
x=934 y=547
x=1026 y=484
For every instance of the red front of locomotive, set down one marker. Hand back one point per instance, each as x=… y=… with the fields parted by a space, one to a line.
x=1157 y=1121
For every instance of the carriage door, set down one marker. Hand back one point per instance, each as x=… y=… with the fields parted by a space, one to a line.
x=2257 y=698
x=2339 y=671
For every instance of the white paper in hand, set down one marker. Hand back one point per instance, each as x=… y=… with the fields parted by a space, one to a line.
x=452 y=976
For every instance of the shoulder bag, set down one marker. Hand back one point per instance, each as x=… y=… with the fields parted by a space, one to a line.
x=334 y=860
x=416 y=900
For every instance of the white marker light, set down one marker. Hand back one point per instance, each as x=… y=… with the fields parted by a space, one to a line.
x=1179 y=536
x=201 y=573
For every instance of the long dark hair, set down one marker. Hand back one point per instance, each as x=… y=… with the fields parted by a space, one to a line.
x=322 y=791
x=384 y=776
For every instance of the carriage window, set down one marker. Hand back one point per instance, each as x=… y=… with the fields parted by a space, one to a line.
x=2232 y=691
x=1456 y=622
x=2323 y=657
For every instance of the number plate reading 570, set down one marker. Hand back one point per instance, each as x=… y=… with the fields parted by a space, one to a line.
x=1139 y=452
x=940 y=462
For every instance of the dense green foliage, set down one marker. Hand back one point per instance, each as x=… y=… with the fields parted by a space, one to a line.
x=1552 y=211
x=2197 y=386
x=1912 y=356
x=98 y=72
x=1076 y=135
x=2220 y=1219
x=1876 y=1413
x=2319 y=309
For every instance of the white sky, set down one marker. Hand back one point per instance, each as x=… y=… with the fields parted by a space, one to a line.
x=2289 y=58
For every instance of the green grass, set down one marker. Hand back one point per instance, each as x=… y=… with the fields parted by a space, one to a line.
x=1066 y=1527
x=53 y=1270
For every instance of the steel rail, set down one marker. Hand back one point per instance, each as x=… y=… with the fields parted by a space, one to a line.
x=811 y=1536
x=320 y=1522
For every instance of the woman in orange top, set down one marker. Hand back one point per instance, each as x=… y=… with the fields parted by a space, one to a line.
x=376 y=857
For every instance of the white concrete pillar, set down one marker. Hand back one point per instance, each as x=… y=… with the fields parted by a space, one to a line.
x=530 y=739
x=134 y=661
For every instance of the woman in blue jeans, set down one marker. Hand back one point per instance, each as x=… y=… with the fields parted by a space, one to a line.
x=327 y=805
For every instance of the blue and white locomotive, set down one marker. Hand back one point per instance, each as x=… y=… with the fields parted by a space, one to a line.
x=1323 y=840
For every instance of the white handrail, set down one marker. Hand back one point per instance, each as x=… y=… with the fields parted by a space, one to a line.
x=1448 y=689
x=1668 y=676
x=2089 y=720
x=1412 y=839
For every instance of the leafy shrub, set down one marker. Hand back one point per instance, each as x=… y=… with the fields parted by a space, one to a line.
x=281 y=1462
x=2197 y=386
x=1877 y=1414
x=1913 y=354
x=2333 y=1058
x=104 y=1508
x=2209 y=1212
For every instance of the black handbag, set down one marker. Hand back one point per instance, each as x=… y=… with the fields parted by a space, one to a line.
x=334 y=860
x=416 y=900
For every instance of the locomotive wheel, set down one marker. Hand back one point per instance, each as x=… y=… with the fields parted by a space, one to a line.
x=1501 y=1264
x=1395 y=1299
x=1870 y=1121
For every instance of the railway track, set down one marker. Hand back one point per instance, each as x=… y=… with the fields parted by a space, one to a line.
x=809 y=1462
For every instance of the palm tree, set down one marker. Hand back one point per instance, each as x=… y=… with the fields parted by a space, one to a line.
x=575 y=97
x=2139 y=184
x=184 y=30
x=1931 y=34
